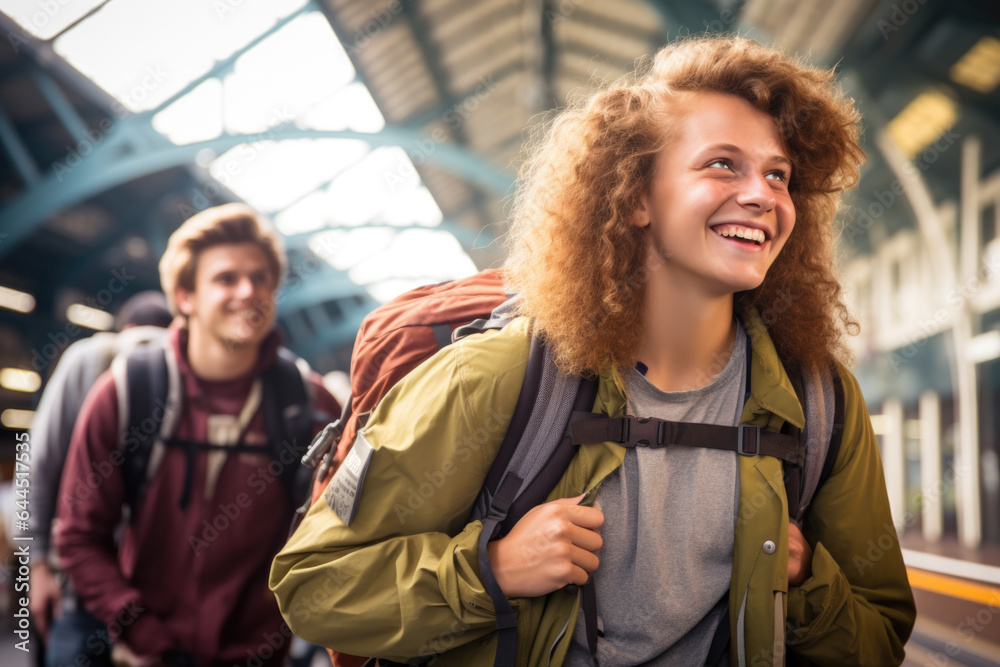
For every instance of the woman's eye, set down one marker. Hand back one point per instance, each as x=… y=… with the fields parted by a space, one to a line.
x=777 y=176
x=720 y=163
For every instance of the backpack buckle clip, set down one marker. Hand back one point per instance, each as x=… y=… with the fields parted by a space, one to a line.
x=644 y=432
x=748 y=440
x=321 y=443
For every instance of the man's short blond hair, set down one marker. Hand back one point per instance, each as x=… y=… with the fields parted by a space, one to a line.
x=220 y=225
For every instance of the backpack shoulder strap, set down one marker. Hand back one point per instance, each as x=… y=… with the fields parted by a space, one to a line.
x=837 y=429
x=537 y=447
x=533 y=456
x=498 y=319
x=801 y=484
x=526 y=401
x=822 y=397
x=142 y=381
x=496 y=498
x=288 y=418
x=795 y=476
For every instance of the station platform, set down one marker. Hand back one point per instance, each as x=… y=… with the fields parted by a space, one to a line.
x=957 y=591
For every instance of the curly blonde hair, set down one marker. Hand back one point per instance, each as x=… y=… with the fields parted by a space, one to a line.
x=579 y=261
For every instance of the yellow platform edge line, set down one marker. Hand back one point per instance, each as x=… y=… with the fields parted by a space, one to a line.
x=953 y=587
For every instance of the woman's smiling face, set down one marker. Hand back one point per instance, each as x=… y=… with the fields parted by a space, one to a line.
x=718 y=210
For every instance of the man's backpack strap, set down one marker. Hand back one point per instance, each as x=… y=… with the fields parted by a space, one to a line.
x=148 y=400
x=149 y=387
x=288 y=421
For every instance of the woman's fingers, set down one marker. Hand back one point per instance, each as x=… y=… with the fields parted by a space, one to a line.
x=585 y=538
x=551 y=546
x=585 y=560
x=586 y=517
x=799 y=556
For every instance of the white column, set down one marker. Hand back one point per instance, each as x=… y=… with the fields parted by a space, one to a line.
x=963 y=371
x=967 y=492
x=931 y=484
x=894 y=460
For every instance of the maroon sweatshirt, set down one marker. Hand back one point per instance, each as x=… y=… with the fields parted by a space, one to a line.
x=192 y=579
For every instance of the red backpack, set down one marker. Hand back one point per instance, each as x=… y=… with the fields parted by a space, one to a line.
x=393 y=340
x=396 y=338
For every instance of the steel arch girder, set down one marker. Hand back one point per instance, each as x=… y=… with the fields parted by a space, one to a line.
x=332 y=337
x=315 y=288
x=102 y=171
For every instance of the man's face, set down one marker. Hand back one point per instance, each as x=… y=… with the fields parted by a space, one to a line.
x=233 y=296
x=718 y=207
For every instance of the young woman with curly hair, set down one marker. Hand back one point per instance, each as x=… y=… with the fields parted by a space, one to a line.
x=672 y=237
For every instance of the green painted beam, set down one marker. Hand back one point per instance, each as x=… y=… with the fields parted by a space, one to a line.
x=61 y=106
x=105 y=168
x=332 y=337
x=469 y=238
x=324 y=283
x=16 y=150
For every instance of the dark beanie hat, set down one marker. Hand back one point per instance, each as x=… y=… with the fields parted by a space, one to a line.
x=144 y=309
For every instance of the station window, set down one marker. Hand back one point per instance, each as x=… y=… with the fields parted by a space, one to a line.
x=949 y=440
x=988 y=224
x=911 y=472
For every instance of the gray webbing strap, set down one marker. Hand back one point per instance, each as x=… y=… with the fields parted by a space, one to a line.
x=553 y=403
x=499 y=318
x=553 y=406
x=556 y=395
x=817 y=385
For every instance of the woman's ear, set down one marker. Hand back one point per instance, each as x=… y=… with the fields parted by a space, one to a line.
x=640 y=216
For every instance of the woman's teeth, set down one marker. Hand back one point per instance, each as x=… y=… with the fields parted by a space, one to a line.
x=756 y=236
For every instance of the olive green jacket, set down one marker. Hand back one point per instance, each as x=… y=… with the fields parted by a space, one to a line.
x=403 y=580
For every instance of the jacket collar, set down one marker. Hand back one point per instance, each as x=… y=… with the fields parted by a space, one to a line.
x=772 y=395
x=770 y=387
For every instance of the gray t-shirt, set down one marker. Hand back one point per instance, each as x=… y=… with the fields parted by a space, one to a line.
x=669 y=520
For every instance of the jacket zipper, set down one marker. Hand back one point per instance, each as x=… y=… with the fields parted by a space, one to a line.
x=476 y=606
x=741 y=648
x=562 y=633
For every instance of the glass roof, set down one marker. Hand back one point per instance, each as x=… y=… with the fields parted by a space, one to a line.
x=202 y=70
x=47 y=19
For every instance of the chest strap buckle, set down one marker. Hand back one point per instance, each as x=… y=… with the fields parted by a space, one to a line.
x=748 y=440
